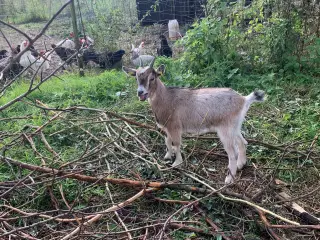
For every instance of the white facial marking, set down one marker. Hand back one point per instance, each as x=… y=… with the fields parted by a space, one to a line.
x=141 y=89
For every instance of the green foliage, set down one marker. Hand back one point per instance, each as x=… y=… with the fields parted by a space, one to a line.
x=261 y=38
x=107 y=28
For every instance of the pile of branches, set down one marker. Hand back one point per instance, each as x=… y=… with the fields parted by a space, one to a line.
x=122 y=155
x=117 y=186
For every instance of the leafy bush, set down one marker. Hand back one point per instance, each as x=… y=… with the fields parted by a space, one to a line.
x=260 y=38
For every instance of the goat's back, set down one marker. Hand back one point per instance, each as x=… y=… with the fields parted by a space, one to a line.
x=197 y=109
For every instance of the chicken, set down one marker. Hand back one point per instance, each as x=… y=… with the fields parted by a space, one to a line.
x=3 y=54
x=13 y=70
x=164 y=49
x=33 y=51
x=67 y=44
x=27 y=59
x=64 y=53
x=109 y=59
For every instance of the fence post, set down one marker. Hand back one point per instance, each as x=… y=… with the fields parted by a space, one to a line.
x=76 y=37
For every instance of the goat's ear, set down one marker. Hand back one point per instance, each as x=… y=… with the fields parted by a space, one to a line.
x=132 y=47
x=129 y=71
x=161 y=69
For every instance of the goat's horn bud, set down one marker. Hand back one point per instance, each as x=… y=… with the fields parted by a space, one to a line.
x=152 y=62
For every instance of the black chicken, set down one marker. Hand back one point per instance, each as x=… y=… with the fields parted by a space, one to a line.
x=109 y=59
x=3 y=54
x=65 y=53
x=164 y=49
x=13 y=70
x=33 y=51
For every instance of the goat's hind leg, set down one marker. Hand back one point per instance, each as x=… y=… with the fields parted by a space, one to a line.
x=229 y=143
x=242 y=159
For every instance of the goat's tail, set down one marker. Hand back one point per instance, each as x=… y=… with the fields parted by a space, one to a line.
x=256 y=96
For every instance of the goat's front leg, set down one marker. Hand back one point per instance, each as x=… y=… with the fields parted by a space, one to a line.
x=176 y=141
x=169 y=153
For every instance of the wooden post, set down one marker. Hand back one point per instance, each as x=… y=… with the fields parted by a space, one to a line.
x=76 y=37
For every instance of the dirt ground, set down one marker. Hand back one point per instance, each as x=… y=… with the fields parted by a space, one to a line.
x=148 y=35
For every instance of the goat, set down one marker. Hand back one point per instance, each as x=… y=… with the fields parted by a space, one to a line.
x=196 y=111
x=140 y=60
x=164 y=49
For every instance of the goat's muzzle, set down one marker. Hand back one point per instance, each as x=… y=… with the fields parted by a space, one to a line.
x=142 y=96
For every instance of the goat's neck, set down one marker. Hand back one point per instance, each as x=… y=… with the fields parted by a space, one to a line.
x=161 y=103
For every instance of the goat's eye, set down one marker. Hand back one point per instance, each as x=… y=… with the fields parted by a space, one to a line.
x=152 y=78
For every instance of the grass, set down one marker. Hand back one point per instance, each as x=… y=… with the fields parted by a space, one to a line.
x=291 y=111
x=290 y=115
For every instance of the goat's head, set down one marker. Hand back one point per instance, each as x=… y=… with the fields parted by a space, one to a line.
x=136 y=51
x=147 y=79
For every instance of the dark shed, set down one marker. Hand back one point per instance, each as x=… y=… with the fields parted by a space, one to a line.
x=185 y=11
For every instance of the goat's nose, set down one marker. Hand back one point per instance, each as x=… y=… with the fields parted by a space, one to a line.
x=140 y=92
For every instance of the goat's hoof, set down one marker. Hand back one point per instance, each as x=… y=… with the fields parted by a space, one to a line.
x=228 y=180
x=168 y=156
x=240 y=165
x=176 y=163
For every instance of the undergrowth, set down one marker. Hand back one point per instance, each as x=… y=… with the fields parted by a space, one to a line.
x=290 y=114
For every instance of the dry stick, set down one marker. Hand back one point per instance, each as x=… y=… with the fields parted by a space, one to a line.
x=298 y=210
x=85 y=178
x=134 y=137
x=310 y=149
x=24 y=235
x=33 y=146
x=273 y=176
x=72 y=123
x=294 y=198
x=244 y=202
x=15 y=185
x=5 y=38
x=146 y=234
x=45 y=124
x=111 y=209
x=132 y=153
x=50 y=149
x=104 y=111
x=32 y=225
x=57 y=218
x=186 y=206
x=16 y=29
x=256 y=142
x=267 y=224
x=63 y=197
x=174 y=225
x=116 y=213
x=211 y=223
x=31 y=40
x=170 y=201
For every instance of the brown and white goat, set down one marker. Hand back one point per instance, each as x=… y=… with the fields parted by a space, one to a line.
x=196 y=111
